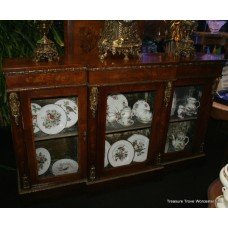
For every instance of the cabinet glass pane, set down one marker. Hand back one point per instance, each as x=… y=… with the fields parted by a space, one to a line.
x=55 y=128
x=186 y=102
x=180 y=136
x=128 y=123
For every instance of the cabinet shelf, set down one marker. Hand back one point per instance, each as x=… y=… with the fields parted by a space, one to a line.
x=116 y=127
x=40 y=136
x=172 y=120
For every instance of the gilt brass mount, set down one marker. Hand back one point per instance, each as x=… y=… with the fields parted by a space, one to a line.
x=45 y=50
x=93 y=100
x=181 y=32
x=14 y=104
x=167 y=95
x=120 y=37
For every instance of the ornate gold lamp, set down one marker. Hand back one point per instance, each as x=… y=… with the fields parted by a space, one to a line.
x=120 y=37
x=45 y=50
x=181 y=32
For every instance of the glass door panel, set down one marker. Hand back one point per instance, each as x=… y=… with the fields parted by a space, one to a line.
x=128 y=124
x=55 y=128
x=183 y=116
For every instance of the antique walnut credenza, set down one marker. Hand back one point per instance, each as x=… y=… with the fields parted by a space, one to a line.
x=69 y=127
x=84 y=122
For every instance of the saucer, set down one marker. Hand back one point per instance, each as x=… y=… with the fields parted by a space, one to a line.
x=219 y=202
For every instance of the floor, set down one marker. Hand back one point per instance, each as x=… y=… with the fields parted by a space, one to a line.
x=185 y=187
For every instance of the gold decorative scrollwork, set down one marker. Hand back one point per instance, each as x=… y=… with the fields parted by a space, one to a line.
x=14 y=106
x=92 y=173
x=167 y=96
x=25 y=182
x=93 y=100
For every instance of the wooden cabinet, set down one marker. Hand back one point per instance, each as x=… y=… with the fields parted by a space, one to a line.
x=102 y=121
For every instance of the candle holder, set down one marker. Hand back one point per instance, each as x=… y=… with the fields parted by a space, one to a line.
x=45 y=50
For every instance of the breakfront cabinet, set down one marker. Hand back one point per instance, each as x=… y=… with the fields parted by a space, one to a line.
x=105 y=121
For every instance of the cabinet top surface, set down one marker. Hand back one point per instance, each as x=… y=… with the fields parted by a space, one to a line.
x=17 y=65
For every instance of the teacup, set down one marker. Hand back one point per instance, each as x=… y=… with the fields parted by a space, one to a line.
x=145 y=116
x=192 y=106
x=225 y=196
x=181 y=111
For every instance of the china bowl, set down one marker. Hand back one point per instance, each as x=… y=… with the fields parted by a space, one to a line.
x=215 y=26
x=223 y=177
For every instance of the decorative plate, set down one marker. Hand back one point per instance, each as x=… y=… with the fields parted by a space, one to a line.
x=35 y=110
x=64 y=166
x=107 y=147
x=219 y=202
x=121 y=153
x=119 y=101
x=140 y=105
x=71 y=109
x=51 y=119
x=43 y=160
x=140 y=144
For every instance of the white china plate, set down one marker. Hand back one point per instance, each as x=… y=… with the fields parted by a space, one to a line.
x=107 y=147
x=119 y=101
x=71 y=110
x=219 y=202
x=43 y=160
x=139 y=106
x=121 y=153
x=51 y=119
x=64 y=166
x=140 y=144
x=35 y=110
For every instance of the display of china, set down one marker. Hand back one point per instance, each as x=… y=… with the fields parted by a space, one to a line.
x=223 y=176
x=215 y=25
x=225 y=196
x=181 y=111
x=192 y=106
x=180 y=141
x=144 y=116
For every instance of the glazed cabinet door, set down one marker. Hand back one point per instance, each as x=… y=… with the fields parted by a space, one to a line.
x=55 y=134
x=187 y=119
x=126 y=139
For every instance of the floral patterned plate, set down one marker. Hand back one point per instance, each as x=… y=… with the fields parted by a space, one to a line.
x=139 y=106
x=35 y=110
x=121 y=153
x=64 y=166
x=107 y=147
x=140 y=144
x=71 y=109
x=119 y=101
x=51 y=119
x=43 y=160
